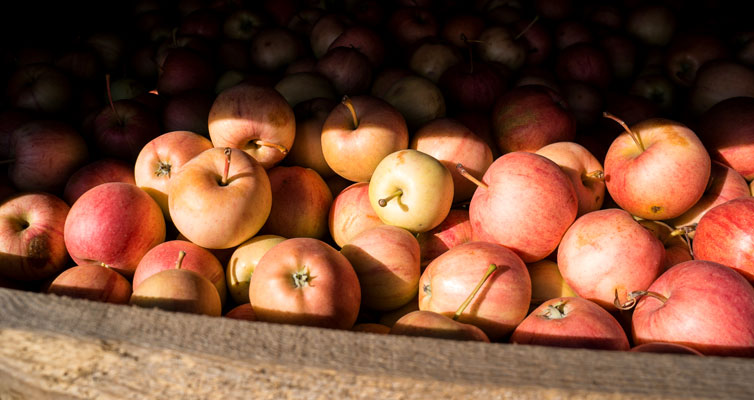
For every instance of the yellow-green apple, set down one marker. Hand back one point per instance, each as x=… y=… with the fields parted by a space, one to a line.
x=606 y=253
x=188 y=111
x=358 y=133
x=305 y=281
x=302 y=86
x=418 y=99
x=197 y=259
x=243 y=312
x=386 y=77
x=665 y=347
x=727 y=131
x=220 y=198
x=583 y=169
x=546 y=282
x=301 y=203
x=274 y=47
x=725 y=235
x=162 y=158
x=386 y=260
x=431 y=324
x=524 y=202
x=700 y=304
x=44 y=154
x=454 y=230
x=351 y=213
x=255 y=119
x=92 y=282
x=180 y=290
x=451 y=142
x=412 y=190
x=242 y=263
x=307 y=148
x=720 y=80
x=498 y=44
x=526 y=118
x=430 y=59
x=657 y=169
x=501 y=305
x=121 y=129
x=676 y=241
x=32 y=244
x=571 y=322
x=95 y=173
x=115 y=224
x=725 y=184
x=349 y=70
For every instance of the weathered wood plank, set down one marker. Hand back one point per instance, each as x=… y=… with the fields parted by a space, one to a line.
x=56 y=347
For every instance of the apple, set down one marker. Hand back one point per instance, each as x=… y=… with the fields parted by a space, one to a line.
x=584 y=62
x=467 y=24
x=32 y=245
x=204 y=22
x=570 y=32
x=657 y=87
x=244 y=23
x=179 y=290
x=304 y=19
x=418 y=99
x=255 y=119
x=657 y=169
x=305 y=281
x=184 y=69
x=528 y=117
x=300 y=87
x=95 y=173
x=387 y=262
x=454 y=230
x=197 y=259
x=538 y=41
x=411 y=190
x=92 y=282
x=44 y=154
x=719 y=80
x=472 y=86
x=524 y=202
x=161 y=159
x=606 y=254
x=242 y=312
x=571 y=322
x=351 y=213
x=431 y=324
x=364 y=39
x=371 y=327
x=358 y=133
x=300 y=203
x=274 y=47
x=501 y=305
x=497 y=43
x=386 y=77
x=242 y=263
x=410 y=24
x=220 y=198
x=585 y=101
x=431 y=59
x=41 y=88
x=547 y=283
x=10 y=120
x=121 y=129
x=653 y=24
x=622 y=54
x=325 y=31
x=307 y=148
x=349 y=70
x=725 y=235
x=715 y=303
x=584 y=171
x=677 y=241
x=688 y=51
x=727 y=131
x=188 y=111
x=666 y=348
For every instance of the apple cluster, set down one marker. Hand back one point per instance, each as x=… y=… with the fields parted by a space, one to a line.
x=564 y=173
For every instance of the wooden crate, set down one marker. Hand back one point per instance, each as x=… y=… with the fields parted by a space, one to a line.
x=63 y=348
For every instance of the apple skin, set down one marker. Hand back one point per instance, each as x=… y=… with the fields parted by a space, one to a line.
x=349 y=70
x=528 y=117
x=247 y=112
x=688 y=51
x=715 y=303
x=426 y=188
x=607 y=253
x=196 y=193
x=351 y=213
x=584 y=62
x=547 y=283
x=666 y=348
x=528 y=205
x=677 y=250
x=353 y=152
x=431 y=324
x=454 y=230
x=178 y=290
x=243 y=312
x=301 y=203
x=725 y=235
x=501 y=304
x=571 y=322
x=727 y=131
x=663 y=181
x=386 y=260
x=197 y=259
x=94 y=173
x=719 y=80
x=307 y=148
x=122 y=133
x=188 y=111
x=32 y=244
x=41 y=88
x=115 y=224
x=280 y=289
x=242 y=263
x=184 y=69
x=418 y=99
x=92 y=282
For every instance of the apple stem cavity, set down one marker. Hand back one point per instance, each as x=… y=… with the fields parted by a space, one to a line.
x=555 y=311
x=633 y=297
x=349 y=104
x=383 y=202
x=467 y=175
x=466 y=302
x=227 y=167
x=631 y=133
x=181 y=255
x=527 y=27
x=598 y=175
x=301 y=278
x=279 y=147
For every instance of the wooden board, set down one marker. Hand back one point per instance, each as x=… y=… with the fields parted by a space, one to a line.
x=62 y=348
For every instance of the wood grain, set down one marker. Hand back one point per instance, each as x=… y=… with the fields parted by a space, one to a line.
x=61 y=348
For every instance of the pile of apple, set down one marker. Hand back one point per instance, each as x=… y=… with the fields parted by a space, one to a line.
x=561 y=173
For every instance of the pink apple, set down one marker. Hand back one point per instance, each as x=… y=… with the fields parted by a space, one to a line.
x=454 y=230
x=725 y=235
x=92 y=282
x=432 y=324
x=351 y=213
x=727 y=131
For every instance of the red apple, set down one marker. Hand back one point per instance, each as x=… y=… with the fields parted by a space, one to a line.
x=274 y=47
x=584 y=62
x=408 y=25
x=243 y=312
x=123 y=128
x=719 y=80
x=547 y=282
x=688 y=51
x=92 y=282
x=468 y=25
x=349 y=70
x=94 y=173
x=184 y=69
x=473 y=86
x=351 y=213
x=188 y=111
x=727 y=131
x=363 y=39
x=666 y=348
x=454 y=230
x=40 y=88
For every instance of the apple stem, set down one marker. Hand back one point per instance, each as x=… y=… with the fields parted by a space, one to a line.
x=227 y=167
x=536 y=18
x=279 y=147
x=181 y=255
x=598 y=174
x=471 y=53
x=383 y=202
x=684 y=232
x=347 y=102
x=632 y=298
x=466 y=302
x=631 y=133
x=467 y=175
x=110 y=97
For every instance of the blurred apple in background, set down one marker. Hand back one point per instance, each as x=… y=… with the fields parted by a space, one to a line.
x=688 y=51
x=274 y=47
x=719 y=80
x=418 y=99
x=41 y=88
x=92 y=282
x=188 y=111
x=431 y=59
x=242 y=263
x=349 y=70
x=351 y=213
x=94 y=173
x=300 y=87
x=121 y=129
x=727 y=131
